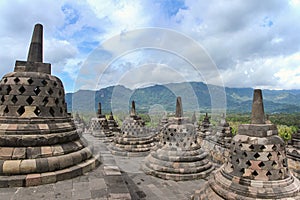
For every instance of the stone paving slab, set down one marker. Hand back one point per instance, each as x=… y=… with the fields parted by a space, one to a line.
x=116 y=178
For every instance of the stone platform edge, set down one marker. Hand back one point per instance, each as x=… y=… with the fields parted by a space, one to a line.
x=35 y=179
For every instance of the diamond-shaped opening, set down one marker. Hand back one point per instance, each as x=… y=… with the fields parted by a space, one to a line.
x=44 y=82
x=29 y=100
x=254 y=173
x=5 y=80
x=45 y=100
x=248 y=163
x=251 y=147
x=2 y=99
x=256 y=155
x=8 y=89
x=14 y=99
x=274 y=147
x=30 y=81
x=268 y=173
x=280 y=172
x=245 y=154
x=59 y=93
x=237 y=161
x=262 y=147
x=55 y=84
x=16 y=80
x=269 y=156
x=22 y=89
x=51 y=111
x=274 y=163
x=284 y=163
x=242 y=170
x=37 y=111
x=50 y=91
x=240 y=145
x=60 y=110
x=261 y=164
x=6 y=110
x=37 y=90
x=21 y=110
x=56 y=101
x=278 y=153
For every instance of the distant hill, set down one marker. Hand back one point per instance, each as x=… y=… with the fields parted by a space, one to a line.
x=195 y=96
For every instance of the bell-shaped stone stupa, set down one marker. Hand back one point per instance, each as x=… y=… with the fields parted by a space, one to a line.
x=39 y=143
x=135 y=139
x=179 y=155
x=257 y=167
x=99 y=125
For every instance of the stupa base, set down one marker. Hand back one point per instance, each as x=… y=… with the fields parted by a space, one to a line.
x=220 y=186
x=176 y=177
x=129 y=152
x=178 y=165
x=35 y=179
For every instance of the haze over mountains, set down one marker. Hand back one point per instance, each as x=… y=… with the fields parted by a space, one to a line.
x=195 y=95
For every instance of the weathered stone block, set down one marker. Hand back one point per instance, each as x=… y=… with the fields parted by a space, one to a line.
x=28 y=166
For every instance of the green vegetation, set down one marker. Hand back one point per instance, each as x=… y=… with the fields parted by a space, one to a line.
x=286 y=123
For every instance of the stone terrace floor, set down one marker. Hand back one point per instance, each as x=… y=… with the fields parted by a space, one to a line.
x=116 y=178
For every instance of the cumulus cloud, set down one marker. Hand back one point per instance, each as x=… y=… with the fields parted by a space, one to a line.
x=244 y=39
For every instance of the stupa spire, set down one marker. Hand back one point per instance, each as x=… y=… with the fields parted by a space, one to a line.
x=35 y=53
x=133 y=112
x=179 y=111
x=258 y=114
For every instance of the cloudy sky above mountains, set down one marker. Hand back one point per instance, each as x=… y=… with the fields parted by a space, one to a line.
x=137 y=43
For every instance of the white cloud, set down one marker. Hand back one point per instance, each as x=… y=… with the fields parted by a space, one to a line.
x=254 y=37
x=281 y=72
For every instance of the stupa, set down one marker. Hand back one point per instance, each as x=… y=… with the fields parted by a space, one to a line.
x=257 y=167
x=99 y=125
x=135 y=139
x=217 y=144
x=112 y=124
x=39 y=143
x=79 y=123
x=293 y=153
x=222 y=135
x=179 y=156
x=205 y=128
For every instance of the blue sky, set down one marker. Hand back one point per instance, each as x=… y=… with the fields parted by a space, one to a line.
x=252 y=43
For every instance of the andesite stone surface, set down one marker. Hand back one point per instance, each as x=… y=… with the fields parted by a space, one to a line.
x=205 y=127
x=293 y=154
x=112 y=124
x=99 y=125
x=179 y=155
x=39 y=143
x=134 y=139
x=257 y=167
x=218 y=143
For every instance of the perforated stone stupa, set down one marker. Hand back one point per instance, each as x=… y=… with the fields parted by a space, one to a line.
x=179 y=155
x=39 y=143
x=217 y=144
x=293 y=152
x=112 y=124
x=135 y=139
x=257 y=167
x=79 y=123
x=99 y=125
x=222 y=135
x=205 y=127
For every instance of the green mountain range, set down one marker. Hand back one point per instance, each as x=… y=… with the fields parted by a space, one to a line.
x=195 y=95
